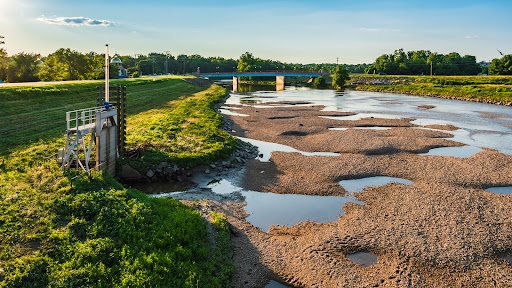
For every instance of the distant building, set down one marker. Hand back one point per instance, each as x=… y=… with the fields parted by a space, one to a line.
x=119 y=64
x=484 y=63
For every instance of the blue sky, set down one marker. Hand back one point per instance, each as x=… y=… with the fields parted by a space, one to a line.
x=289 y=31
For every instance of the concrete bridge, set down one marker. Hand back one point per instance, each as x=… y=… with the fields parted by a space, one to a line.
x=280 y=76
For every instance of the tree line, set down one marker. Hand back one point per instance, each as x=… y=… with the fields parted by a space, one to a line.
x=424 y=62
x=66 y=64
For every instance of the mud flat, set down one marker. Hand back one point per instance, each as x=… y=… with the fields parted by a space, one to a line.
x=438 y=228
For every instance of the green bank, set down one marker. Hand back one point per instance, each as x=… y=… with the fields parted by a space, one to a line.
x=60 y=230
x=491 y=89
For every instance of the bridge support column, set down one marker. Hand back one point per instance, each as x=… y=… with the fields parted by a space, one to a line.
x=279 y=83
x=235 y=84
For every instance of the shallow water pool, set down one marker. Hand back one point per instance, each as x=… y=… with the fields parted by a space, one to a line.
x=358 y=185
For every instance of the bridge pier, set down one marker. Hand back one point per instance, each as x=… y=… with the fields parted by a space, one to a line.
x=235 y=84
x=279 y=83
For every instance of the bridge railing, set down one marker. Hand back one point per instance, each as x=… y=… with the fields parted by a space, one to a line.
x=270 y=72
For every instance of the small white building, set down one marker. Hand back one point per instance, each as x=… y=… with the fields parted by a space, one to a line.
x=119 y=64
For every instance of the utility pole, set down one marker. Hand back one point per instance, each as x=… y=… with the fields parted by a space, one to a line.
x=430 y=68
x=336 y=61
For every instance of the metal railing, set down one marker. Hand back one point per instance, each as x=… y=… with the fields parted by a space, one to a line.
x=81 y=119
x=283 y=72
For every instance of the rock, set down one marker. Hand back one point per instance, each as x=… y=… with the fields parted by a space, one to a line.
x=207 y=171
x=131 y=175
x=150 y=173
x=213 y=166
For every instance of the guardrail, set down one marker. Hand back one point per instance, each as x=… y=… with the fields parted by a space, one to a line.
x=81 y=119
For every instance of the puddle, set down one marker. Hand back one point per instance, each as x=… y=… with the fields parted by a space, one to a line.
x=363 y=258
x=360 y=116
x=231 y=113
x=223 y=187
x=501 y=190
x=357 y=185
x=365 y=128
x=266 y=148
x=461 y=152
x=274 y=284
x=507 y=258
x=166 y=195
x=267 y=209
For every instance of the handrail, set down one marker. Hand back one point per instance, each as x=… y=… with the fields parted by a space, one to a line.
x=81 y=118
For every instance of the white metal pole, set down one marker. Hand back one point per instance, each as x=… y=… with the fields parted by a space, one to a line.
x=107 y=72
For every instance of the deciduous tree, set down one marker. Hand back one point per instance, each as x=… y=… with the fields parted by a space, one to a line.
x=340 y=77
x=23 y=67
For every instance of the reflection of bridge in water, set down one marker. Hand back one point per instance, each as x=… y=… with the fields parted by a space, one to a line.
x=280 y=76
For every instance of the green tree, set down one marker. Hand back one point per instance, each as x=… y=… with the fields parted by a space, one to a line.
x=319 y=82
x=23 y=67
x=418 y=62
x=3 y=61
x=501 y=66
x=246 y=62
x=65 y=64
x=340 y=77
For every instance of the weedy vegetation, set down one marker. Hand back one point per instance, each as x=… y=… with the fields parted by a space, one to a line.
x=59 y=230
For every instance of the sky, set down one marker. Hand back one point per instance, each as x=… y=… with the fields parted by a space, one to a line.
x=289 y=31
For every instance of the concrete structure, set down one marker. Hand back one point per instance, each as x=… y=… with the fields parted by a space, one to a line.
x=280 y=76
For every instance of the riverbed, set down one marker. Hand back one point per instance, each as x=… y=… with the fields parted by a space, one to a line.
x=343 y=177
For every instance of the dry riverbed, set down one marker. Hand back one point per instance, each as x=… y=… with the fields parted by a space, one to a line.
x=443 y=230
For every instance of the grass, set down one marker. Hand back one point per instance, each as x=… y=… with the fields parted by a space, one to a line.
x=187 y=135
x=29 y=114
x=494 y=88
x=91 y=231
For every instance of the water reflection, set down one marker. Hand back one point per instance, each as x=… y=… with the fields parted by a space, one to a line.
x=267 y=209
x=501 y=190
x=364 y=259
x=460 y=152
x=358 y=185
x=483 y=125
x=266 y=148
x=361 y=128
x=274 y=284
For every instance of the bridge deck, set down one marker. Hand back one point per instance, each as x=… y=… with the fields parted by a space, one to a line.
x=262 y=74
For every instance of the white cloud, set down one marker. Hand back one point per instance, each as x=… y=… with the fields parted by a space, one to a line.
x=75 y=21
x=472 y=37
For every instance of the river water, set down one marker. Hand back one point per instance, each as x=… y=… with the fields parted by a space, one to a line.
x=482 y=125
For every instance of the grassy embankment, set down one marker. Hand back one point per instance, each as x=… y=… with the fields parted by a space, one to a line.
x=92 y=232
x=487 y=88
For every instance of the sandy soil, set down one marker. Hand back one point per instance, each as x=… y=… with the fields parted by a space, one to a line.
x=442 y=231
